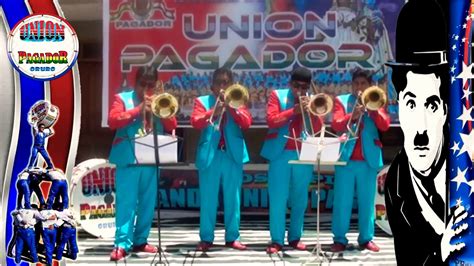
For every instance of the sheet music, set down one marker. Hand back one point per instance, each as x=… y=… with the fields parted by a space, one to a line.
x=168 y=149
x=329 y=149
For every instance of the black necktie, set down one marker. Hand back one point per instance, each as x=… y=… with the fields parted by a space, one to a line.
x=433 y=198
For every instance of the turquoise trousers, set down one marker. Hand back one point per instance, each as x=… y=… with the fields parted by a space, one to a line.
x=223 y=170
x=358 y=177
x=135 y=202
x=288 y=186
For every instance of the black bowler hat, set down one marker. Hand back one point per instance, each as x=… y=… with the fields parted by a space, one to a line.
x=421 y=37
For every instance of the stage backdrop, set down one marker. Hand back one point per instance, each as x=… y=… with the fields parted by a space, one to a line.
x=261 y=41
x=93 y=193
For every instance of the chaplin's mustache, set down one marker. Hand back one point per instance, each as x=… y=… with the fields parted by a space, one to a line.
x=421 y=140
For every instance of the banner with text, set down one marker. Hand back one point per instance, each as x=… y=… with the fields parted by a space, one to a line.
x=261 y=41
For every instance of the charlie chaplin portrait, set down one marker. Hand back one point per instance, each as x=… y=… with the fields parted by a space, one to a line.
x=417 y=187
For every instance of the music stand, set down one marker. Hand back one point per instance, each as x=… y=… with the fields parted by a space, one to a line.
x=320 y=256
x=157 y=167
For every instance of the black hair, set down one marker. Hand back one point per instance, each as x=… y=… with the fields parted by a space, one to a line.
x=223 y=70
x=360 y=73
x=147 y=72
x=399 y=79
x=301 y=74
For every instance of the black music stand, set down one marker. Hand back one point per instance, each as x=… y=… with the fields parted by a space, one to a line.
x=157 y=167
x=317 y=254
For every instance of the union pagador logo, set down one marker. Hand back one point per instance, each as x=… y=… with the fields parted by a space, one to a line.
x=43 y=47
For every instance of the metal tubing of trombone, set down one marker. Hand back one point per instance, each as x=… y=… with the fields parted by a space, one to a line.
x=304 y=113
x=216 y=122
x=212 y=121
x=355 y=132
x=218 y=125
x=305 y=128
x=349 y=123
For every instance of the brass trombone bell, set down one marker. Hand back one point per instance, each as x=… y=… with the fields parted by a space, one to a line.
x=320 y=104
x=164 y=105
x=374 y=98
x=236 y=96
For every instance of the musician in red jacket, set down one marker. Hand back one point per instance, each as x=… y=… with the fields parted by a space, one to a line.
x=363 y=154
x=136 y=188
x=288 y=183
x=220 y=157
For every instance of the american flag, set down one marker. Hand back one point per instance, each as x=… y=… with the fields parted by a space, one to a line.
x=461 y=141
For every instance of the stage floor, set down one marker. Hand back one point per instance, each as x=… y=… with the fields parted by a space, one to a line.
x=180 y=234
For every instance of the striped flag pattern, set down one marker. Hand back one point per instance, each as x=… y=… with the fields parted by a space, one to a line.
x=180 y=235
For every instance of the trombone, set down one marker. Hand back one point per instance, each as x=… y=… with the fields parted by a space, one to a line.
x=235 y=96
x=371 y=99
x=320 y=104
x=163 y=105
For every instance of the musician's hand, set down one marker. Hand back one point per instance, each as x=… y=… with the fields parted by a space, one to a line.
x=305 y=103
x=457 y=224
x=34 y=122
x=148 y=101
x=221 y=95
